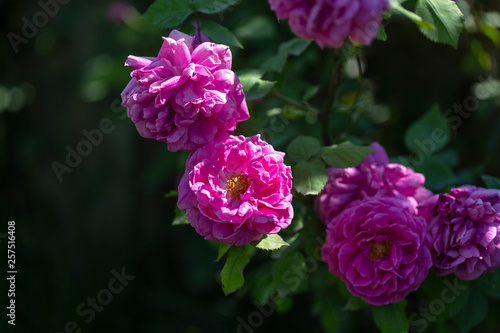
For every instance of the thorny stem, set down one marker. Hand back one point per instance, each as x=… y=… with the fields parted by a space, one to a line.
x=324 y=115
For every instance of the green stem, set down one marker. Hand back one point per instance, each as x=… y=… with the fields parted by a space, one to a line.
x=354 y=105
x=360 y=80
x=324 y=115
x=293 y=103
x=198 y=28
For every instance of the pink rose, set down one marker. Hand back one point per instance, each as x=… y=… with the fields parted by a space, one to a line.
x=330 y=22
x=378 y=247
x=187 y=96
x=236 y=189
x=374 y=176
x=464 y=230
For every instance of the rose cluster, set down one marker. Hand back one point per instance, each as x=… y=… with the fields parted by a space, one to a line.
x=376 y=242
x=235 y=189
x=385 y=230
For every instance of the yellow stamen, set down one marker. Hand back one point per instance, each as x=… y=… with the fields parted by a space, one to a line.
x=380 y=250
x=237 y=185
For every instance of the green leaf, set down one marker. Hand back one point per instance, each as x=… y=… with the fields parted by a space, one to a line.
x=180 y=217
x=212 y=6
x=219 y=34
x=381 y=35
x=292 y=47
x=391 y=318
x=256 y=28
x=354 y=303
x=490 y=284
x=289 y=273
x=309 y=177
x=262 y=288
x=450 y=156
x=232 y=273
x=271 y=242
x=445 y=16
x=223 y=248
x=396 y=8
x=172 y=194
x=297 y=223
x=253 y=86
x=329 y=320
x=446 y=296
x=168 y=14
x=473 y=313
x=310 y=93
x=458 y=303
x=491 y=182
x=428 y=134
x=302 y=148
x=345 y=155
x=438 y=174
x=283 y=304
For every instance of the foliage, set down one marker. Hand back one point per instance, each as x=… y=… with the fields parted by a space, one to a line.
x=427 y=139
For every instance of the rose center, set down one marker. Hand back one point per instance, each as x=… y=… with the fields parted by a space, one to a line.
x=379 y=251
x=237 y=185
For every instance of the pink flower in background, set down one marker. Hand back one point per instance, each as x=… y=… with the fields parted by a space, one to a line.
x=236 y=189
x=187 y=96
x=330 y=22
x=378 y=247
x=464 y=229
x=199 y=37
x=379 y=156
x=342 y=187
x=374 y=176
x=121 y=11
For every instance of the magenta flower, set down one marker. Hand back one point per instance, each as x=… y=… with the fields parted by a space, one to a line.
x=464 y=229
x=330 y=22
x=236 y=189
x=378 y=247
x=374 y=176
x=187 y=96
